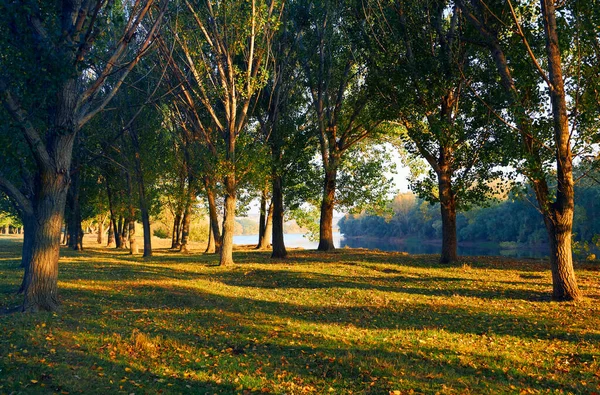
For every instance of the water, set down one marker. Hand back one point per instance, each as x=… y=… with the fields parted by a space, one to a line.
x=428 y=247
x=297 y=240
x=292 y=240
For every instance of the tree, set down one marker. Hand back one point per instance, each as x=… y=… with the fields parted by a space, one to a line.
x=227 y=62
x=421 y=58
x=336 y=77
x=61 y=45
x=515 y=38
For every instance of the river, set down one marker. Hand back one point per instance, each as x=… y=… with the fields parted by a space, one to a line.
x=410 y=246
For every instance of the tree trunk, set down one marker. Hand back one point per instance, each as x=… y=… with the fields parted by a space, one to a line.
x=40 y=280
x=121 y=232
x=268 y=228
x=560 y=224
x=228 y=221
x=262 y=220
x=212 y=213
x=142 y=192
x=176 y=231
x=100 y=231
x=113 y=219
x=111 y=235
x=210 y=246
x=327 y=205
x=448 y=210
x=29 y=227
x=185 y=229
x=133 y=247
x=279 y=251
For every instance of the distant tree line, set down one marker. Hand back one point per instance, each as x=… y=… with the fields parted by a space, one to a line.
x=512 y=219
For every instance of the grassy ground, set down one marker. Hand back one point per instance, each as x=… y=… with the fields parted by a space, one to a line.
x=349 y=322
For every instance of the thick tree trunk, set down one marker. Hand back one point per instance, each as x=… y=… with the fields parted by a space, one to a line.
x=327 y=206
x=228 y=221
x=448 y=210
x=40 y=280
x=111 y=235
x=212 y=213
x=560 y=224
x=262 y=220
x=279 y=251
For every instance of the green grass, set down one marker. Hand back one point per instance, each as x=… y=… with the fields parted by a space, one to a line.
x=349 y=322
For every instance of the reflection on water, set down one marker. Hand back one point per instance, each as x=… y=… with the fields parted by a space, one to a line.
x=415 y=247
x=298 y=240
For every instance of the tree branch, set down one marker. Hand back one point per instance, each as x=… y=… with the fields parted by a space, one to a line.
x=36 y=145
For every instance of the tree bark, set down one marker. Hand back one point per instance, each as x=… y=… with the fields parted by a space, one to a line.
x=133 y=247
x=279 y=251
x=40 y=280
x=327 y=206
x=448 y=211
x=29 y=227
x=100 y=234
x=185 y=229
x=121 y=232
x=142 y=194
x=111 y=234
x=228 y=221
x=175 y=244
x=212 y=212
x=560 y=224
x=262 y=221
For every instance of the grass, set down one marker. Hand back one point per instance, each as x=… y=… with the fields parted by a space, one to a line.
x=353 y=321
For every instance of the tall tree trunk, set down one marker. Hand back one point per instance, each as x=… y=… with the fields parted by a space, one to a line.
x=142 y=194
x=212 y=213
x=279 y=251
x=560 y=224
x=210 y=246
x=111 y=234
x=228 y=221
x=327 y=206
x=262 y=219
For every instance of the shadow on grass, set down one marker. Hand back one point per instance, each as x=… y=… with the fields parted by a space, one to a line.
x=253 y=333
